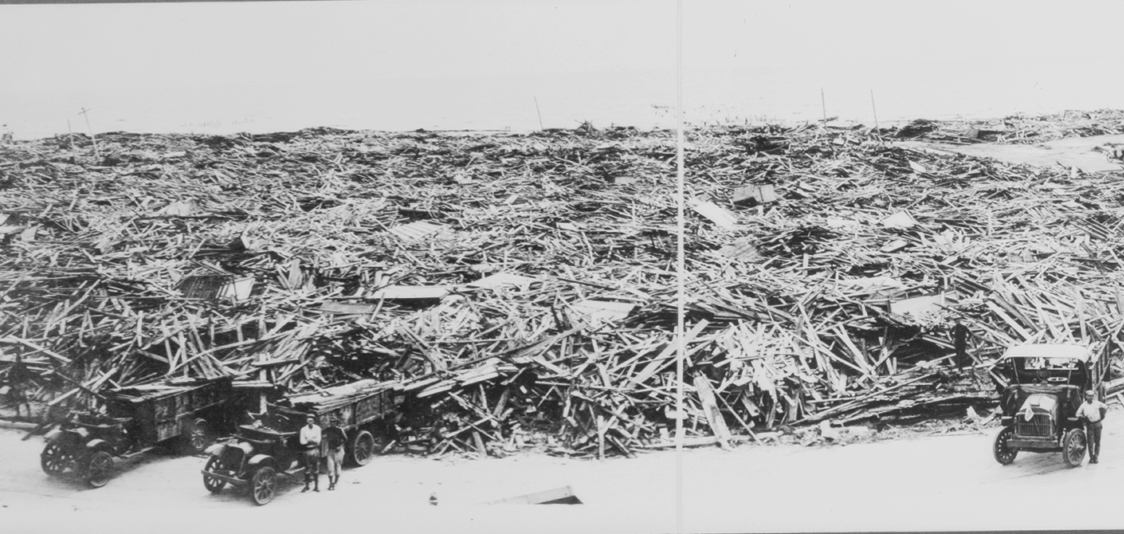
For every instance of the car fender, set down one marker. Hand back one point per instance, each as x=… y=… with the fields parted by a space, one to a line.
x=96 y=444
x=215 y=449
x=64 y=437
x=263 y=460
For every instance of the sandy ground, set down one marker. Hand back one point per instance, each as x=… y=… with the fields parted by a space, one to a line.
x=947 y=482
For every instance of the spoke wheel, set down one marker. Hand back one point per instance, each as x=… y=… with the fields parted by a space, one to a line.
x=198 y=436
x=1073 y=450
x=214 y=465
x=264 y=486
x=98 y=469
x=362 y=448
x=55 y=459
x=1004 y=453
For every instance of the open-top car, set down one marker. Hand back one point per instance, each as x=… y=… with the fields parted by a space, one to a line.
x=270 y=448
x=1041 y=388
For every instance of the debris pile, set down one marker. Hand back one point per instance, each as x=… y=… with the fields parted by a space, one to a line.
x=521 y=289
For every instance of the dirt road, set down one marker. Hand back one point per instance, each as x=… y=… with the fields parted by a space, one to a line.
x=933 y=483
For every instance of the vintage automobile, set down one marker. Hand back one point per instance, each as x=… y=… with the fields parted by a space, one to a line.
x=135 y=421
x=261 y=453
x=1043 y=386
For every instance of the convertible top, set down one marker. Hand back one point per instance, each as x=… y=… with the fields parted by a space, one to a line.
x=1049 y=350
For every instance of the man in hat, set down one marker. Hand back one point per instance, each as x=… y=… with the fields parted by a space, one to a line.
x=310 y=440
x=334 y=439
x=1093 y=412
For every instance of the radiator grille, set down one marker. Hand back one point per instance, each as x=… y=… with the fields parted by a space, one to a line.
x=1039 y=425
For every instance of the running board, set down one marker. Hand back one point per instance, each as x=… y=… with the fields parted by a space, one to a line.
x=138 y=453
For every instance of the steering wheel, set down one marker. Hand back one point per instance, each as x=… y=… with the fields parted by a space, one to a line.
x=1056 y=379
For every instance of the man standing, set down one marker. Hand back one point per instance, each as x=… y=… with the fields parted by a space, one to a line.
x=1092 y=411
x=334 y=438
x=310 y=440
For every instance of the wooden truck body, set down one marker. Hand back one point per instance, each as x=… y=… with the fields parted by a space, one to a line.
x=135 y=421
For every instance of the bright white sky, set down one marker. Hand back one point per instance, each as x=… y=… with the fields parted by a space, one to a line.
x=575 y=54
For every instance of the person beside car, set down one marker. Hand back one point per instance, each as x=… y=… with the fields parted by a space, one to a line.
x=1092 y=411
x=310 y=441
x=334 y=439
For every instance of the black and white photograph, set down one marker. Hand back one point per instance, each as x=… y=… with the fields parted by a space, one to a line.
x=561 y=266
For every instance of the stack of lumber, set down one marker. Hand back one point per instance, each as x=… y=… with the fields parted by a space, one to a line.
x=521 y=286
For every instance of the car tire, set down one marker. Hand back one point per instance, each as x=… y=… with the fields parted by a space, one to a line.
x=214 y=465
x=197 y=436
x=98 y=469
x=56 y=458
x=263 y=486
x=362 y=448
x=1004 y=453
x=1074 y=446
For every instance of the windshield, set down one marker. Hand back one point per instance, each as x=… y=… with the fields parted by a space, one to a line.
x=1066 y=364
x=1045 y=370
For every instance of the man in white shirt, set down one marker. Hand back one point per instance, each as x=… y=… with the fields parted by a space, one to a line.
x=310 y=441
x=1093 y=412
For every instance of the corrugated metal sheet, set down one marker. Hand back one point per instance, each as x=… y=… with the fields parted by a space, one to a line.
x=502 y=279
x=410 y=293
x=416 y=230
x=717 y=215
x=603 y=311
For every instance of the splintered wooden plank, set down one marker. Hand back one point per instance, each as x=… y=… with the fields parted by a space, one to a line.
x=416 y=230
x=754 y=194
x=604 y=311
x=347 y=309
x=410 y=293
x=901 y=219
x=744 y=249
x=1007 y=319
x=918 y=306
x=710 y=408
x=662 y=358
x=563 y=495
x=720 y=217
x=502 y=279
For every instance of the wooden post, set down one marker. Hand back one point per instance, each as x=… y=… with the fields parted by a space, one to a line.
x=479 y=444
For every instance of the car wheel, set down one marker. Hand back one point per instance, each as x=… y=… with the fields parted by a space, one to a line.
x=263 y=486
x=55 y=459
x=1004 y=453
x=98 y=469
x=198 y=436
x=1073 y=447
x=214 y=465
x=362 y=448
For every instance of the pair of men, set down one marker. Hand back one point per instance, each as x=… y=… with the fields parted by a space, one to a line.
x=328 y=443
